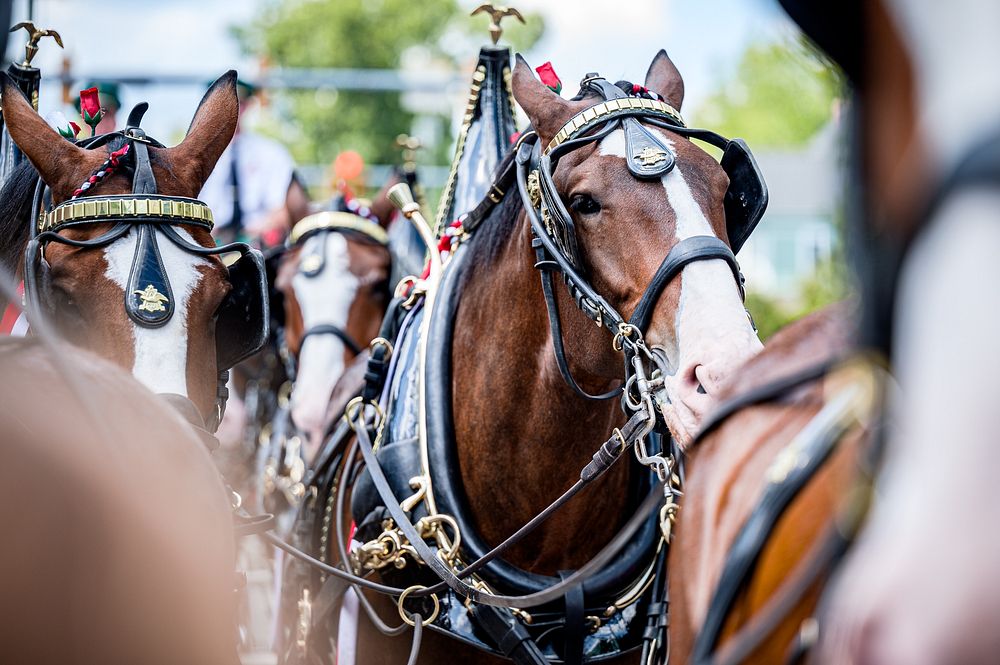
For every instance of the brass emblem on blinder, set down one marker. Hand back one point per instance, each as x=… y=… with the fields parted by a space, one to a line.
x=650 y=156
x=152 y=300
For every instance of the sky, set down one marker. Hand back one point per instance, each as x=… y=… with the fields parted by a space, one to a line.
x=705 y=39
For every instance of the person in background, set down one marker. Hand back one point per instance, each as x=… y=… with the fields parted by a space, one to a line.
x=254 y=192
x=111 y=101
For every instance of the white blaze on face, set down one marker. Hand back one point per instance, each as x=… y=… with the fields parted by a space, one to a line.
x=160 y=353
x=712 y=330
x=324 y=299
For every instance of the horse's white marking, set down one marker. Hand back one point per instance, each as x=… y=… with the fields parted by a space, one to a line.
x=711 y=327
x=324 y=299
x=160 y=353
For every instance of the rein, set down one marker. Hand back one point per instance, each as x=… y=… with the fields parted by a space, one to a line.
x=790 y=472
x=554 y=242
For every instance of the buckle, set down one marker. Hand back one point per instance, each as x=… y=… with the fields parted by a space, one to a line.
x=137 y=134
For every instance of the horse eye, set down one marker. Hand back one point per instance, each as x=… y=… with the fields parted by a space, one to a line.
x=585 y=204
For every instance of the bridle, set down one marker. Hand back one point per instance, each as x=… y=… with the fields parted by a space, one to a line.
x=322 y=224
x=554 y=243
x=241 y=324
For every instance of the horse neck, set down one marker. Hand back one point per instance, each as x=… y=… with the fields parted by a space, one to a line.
x=522 y=435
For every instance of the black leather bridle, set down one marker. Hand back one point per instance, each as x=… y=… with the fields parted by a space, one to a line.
x=322 y=224
x=241 y=328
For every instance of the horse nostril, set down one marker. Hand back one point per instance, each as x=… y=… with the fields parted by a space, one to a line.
x=701 y=389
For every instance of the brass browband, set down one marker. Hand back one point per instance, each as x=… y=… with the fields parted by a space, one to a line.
x=611 y=109
x=337 y=220
x=170 y=210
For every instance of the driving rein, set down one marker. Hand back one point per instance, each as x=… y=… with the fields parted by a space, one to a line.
x=555 y=244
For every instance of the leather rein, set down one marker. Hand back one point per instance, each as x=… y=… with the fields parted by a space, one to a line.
x=531 y=170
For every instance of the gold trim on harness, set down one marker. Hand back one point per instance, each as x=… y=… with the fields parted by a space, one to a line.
x=607 y=110
x=99 y=209
x=338 y=220
x=448 y=193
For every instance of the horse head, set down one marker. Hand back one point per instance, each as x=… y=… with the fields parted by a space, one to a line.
x=633 y=193
x=84 y=283
x=334 y=279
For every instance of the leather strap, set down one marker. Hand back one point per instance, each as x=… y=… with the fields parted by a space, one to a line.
x=508 y=634
x=814 y=445
x=574 y=630
x=689 y=250
x=336 y=331
x=555 y=325
x=450 y=580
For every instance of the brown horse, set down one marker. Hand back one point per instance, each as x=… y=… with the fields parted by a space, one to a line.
x=730 y=469
x=521 y=433
x=334 y=279
x=119 y=544
x=921 y=582
x=85 y=287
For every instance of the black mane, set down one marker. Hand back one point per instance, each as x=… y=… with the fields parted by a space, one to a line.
x=15 y=210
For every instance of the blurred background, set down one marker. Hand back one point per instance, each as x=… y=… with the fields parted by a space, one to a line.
x=339 y=75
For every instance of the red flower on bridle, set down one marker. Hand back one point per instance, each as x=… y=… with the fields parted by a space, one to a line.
x=90 y=108
x=547 y=74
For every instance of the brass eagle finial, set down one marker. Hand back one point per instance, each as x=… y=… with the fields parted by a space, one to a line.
x=497 y=14
x=152 y=299
x=34 y=36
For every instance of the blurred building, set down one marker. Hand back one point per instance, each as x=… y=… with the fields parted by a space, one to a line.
x=800 y=228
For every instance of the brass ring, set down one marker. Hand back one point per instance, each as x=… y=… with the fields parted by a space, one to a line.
x=406 y=617
x=381 y=341
x=520 y=139
x=409 y=280
x=354 y=413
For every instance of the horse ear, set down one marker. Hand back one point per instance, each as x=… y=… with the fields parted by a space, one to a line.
x=55 y=158
x=211 y=130
x=546 y=110
x=664 y=79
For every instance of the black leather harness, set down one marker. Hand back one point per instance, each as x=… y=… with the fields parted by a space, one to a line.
x=242 y=319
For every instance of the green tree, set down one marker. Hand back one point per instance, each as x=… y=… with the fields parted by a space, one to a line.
x=779 y=96
x=361 y=34
x=365 y=34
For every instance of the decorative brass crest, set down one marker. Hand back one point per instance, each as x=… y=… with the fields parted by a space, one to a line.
x=34 y=36
x=497 y=13
x=152 y=300
x=651 y=156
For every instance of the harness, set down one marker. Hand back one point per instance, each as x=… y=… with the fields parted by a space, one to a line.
x=504 y=617
x=242 y=318
x=647 y=157
x=789 y=474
